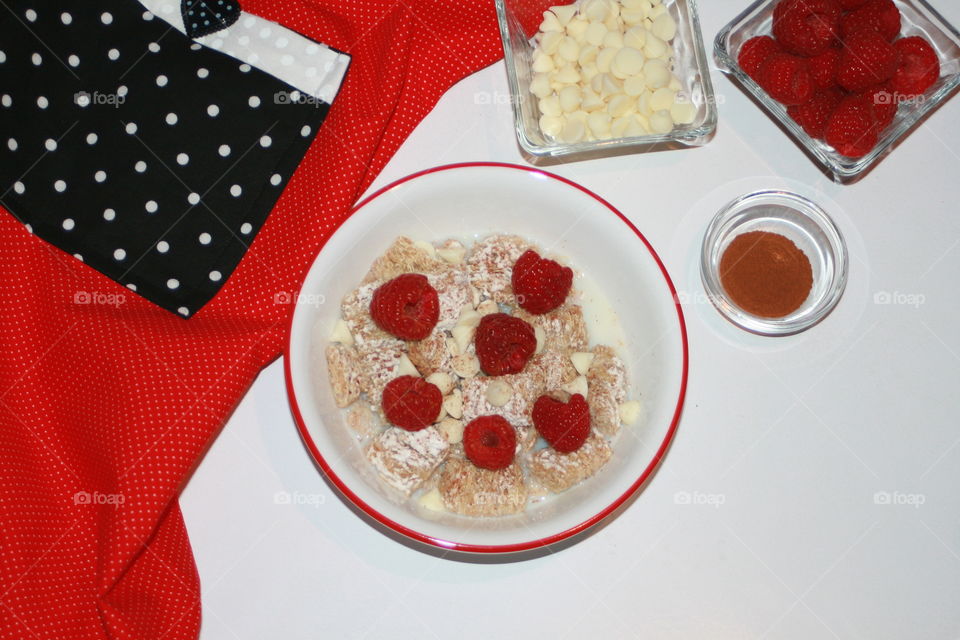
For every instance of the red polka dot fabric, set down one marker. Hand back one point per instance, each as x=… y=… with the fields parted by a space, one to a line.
x=107 y=402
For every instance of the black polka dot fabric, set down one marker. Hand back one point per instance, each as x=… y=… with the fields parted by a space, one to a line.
x=147 y=156
x=203 y=17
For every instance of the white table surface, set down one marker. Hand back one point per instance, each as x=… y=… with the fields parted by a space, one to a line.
x=822 y=470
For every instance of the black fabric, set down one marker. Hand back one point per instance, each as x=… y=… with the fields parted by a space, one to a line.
x=151 y=158
x=203 y=17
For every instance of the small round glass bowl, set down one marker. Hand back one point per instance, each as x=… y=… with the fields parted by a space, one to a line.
x=807 y=226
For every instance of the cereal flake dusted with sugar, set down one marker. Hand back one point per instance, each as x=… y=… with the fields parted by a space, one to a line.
x=526 y=386
x=560 y=471
x=453 y=292
x=490 y=266
x=607 y=382
x=556 y=368
x=472 y=491
x=378 y=366
x=406 y=459
x=564 y=328
x=356 y=313
x=346 y=374
x=431 y=354
x=403 y=256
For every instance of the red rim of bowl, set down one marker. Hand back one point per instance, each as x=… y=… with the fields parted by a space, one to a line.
x=520 y=546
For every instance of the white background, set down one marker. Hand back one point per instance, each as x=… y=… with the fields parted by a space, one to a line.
x=784 y=442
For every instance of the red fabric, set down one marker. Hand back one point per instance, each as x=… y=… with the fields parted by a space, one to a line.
x=108 y=402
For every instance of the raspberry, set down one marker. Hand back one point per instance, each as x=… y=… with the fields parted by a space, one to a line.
x=786 y=78
x=564 y=425
x=754 y=52
x=407 y=307
x=823 y=68
x=411 y=403
x=852 y=129
x=490 y=442
x=504 y=344
x=814 y=114
x=884 y=103
x=919 y=67
x=867 y=60
x=540 y=285
x=806 y=27
x=875 y=15
x=850 y=5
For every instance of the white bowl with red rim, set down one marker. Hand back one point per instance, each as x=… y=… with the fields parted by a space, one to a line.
x=608 y=253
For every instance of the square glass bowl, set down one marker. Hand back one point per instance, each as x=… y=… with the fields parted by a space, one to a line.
x=918 y=19
x=690 y=66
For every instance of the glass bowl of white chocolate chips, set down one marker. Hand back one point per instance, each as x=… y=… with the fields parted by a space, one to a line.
x=606 y=77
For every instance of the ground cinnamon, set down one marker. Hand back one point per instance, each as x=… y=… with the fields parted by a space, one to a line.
x=765 y=274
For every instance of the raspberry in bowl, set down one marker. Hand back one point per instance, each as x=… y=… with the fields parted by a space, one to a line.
x=847 y=79
x=454 y=483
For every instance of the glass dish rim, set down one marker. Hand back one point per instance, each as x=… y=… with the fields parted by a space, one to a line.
x=771 y=326
x=685 y=137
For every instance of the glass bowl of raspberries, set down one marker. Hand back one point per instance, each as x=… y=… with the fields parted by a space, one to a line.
x=848 y=79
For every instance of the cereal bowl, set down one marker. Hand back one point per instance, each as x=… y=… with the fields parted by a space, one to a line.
x=608 y=255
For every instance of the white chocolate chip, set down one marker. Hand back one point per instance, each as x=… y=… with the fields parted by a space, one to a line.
x=551 y=126
x=661 y=122
x=550 y=106
x=550 y=23
x=570 y=98
x=540 y=85
x=577 y=27
x=577 y=385
x=469 y=317
x=453 y=404
x=499 y=393
x=550 y=42
x=683 y=112
x=655 y=47
x=587 y=55
x=573 y=131
x=581 y=361
x=426 y=247
x=564 y=13
x=442 y=380
x=605 y=58
x=542 y=62
x=635 y=37
x=599 y=123
x=675 y=83
x=465 y=365
x=452 y=430
x=453 y=255
x=621 y=105
x=432 y=500
x=463 y=335
x=541 y=338
x=664 y=27
x=568 y=49
x=341 y=333
x=475 y=295
x=657 y=73
x=452 y=347
x=595 y=9
x=663 y=98
x=628 y=61
x=629 y=412
x=405 y=367
x=613 y=39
